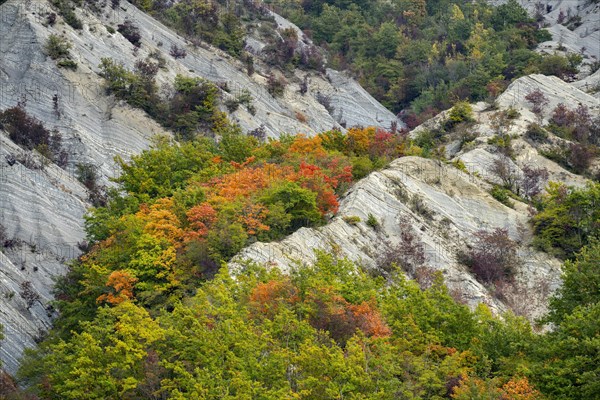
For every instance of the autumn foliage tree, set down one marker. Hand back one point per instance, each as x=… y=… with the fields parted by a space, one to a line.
x=120 y=285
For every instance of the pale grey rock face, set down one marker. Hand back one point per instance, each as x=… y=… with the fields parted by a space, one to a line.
x=590 y=84
x=354 y=106
x=459 y=206
x=555 y=89
x=42 y=209
x=584 y=37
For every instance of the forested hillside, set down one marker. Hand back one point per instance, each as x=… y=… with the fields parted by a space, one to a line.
x=418 y=56
x=459 y=259
x=148 y=313
x=424 y=55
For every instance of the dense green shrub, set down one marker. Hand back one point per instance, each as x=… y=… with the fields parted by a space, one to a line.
x=299 y=203
x=502 y=195
x=69 y=15
x=361 y=167
x=372 y=221
x=192 y=109
x=131 y=32
x=558 y=65
x=461 y=112
x=536 y=133
x=568 y=219
x=244 y=98
x=57 y=47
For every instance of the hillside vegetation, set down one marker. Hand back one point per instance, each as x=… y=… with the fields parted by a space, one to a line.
x=426 y=54
x=162 y=304
x=410 y=55
x=148 y=312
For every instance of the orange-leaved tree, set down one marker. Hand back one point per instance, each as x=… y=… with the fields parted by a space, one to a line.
x=120 y=285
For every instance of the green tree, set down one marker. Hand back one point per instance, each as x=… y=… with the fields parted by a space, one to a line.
x=57 y=47
x=163 y=169
x=567 y=366
x=509 y=13
x=299 y=203
x=385 y=41
x=231 y=37
x=104 y=361
x=568 y=219
x=581 y=283
x=235 y=146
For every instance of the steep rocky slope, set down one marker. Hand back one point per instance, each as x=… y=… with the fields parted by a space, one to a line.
x=41 y=208
x=574 y=25
x=575 y=29
x=446 y=206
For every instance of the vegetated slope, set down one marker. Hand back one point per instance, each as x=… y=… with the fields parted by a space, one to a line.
x=42 y=204
x=422 y=55
x=137 y=313
x=575 y=30
x=83 y=128
x=92 y=127
x=444 y=204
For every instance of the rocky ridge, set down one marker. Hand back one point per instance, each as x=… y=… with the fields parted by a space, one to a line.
x=446 y=206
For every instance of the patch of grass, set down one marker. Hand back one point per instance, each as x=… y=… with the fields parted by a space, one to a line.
x=352 y=219
x=536 y=133
x=372 y=221
x=502 y=195
x=460 y=165
x=68 y=64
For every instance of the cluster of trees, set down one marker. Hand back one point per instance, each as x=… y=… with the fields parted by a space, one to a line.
x=421 y=53
x=190 y=106
x=323 y=331
x=149 y=312
x=216 y=22
x=183 y=209
x=569 y=219
x=410 y=54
